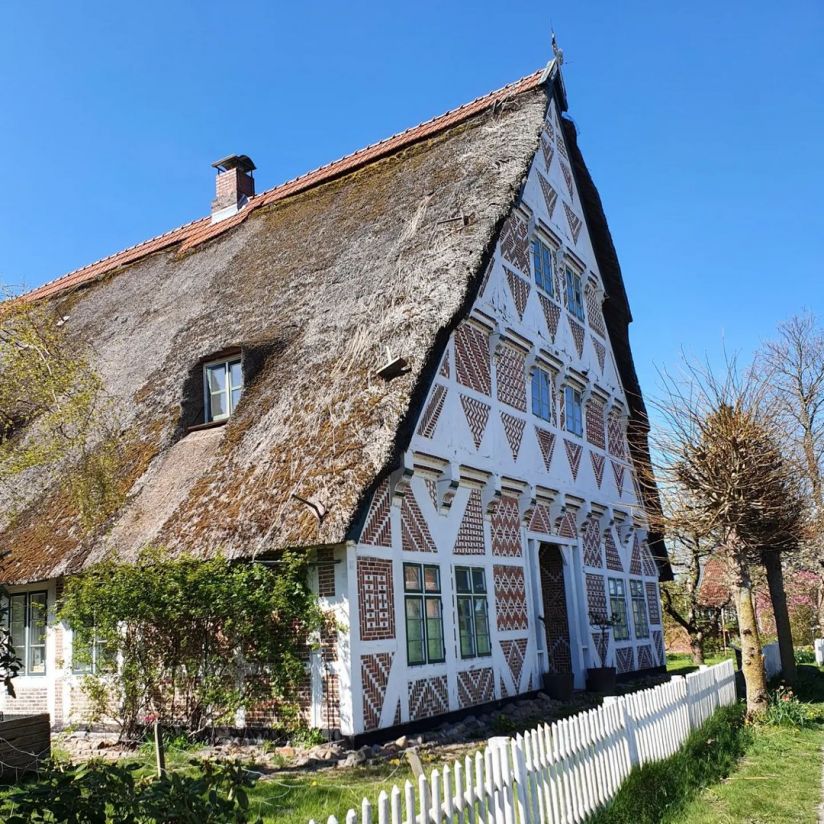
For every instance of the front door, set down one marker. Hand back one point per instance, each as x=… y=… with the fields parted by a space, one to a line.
x=556 y=619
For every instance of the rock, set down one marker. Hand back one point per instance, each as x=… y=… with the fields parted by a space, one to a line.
x=402 y=742
x=286 y=752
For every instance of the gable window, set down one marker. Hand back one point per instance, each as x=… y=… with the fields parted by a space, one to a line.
x=424 y=614
x=573 y=411
x=618 y=609
x=473 y=612
x=574 y=293
x=542 y=394
x=542 y=264
x=639 y=609
x=26 y=622
x=222 y=387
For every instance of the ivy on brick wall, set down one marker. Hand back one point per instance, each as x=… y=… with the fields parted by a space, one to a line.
x=188 y=641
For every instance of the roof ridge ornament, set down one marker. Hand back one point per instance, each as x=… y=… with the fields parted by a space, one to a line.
x=557 y=52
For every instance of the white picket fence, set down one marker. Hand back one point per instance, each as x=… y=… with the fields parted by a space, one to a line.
x=558 y=773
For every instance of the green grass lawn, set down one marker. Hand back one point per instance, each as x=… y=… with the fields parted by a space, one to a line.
x=680 y=663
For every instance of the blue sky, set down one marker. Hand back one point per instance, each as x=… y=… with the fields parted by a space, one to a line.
x=702 y=123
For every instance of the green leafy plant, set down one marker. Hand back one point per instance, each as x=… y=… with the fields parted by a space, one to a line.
x=306 y=737
x=196 y=639
x=804 y=655
x=785 y=710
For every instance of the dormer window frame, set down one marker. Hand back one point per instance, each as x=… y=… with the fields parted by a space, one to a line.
x=574 y=288
x=543 y=271
x=573 y=409
x=230 y=386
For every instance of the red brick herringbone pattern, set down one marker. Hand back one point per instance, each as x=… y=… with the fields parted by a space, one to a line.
x=506 y=529
x=476 y=687
x=552 y=314
x=561 y=145
x=645 y=660
x=618 y=471
x=514 y=431
x=514 y=244
x=575 y=223
x=429 y=419
x=635 y=567
x=613 y=557
x=573 y=452
x=520 y=289
x=377 y=531
x=600 y=353
x=514 y=654
x=577 y=335
x=615 y=436
x=375 y=671
x=595 y=315
x=415 y=535
x=568 y=529
x=550 y=195
x=511 y=378
x=472 y=366
x=598 y=462
x=510 y=597
x=477 y=417
x=624 y=659
x=596 y=595
x=546 y=443
x=504 y=691
x=556 y=619
x=376 y=599
x=653 y=604
x=540 y=521
x=595 y=423
x=592 y=544
x=470 y=538
x=549 y=153
x=658 y=642
x=428 y=697
x=567 y=173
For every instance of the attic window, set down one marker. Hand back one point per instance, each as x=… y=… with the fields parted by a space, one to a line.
x=222 y=387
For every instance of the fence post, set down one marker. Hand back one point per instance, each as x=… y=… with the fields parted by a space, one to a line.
x=628 y=723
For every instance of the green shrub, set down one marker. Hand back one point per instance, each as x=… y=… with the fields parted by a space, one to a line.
x=785 y=710
x=662 y=787
x=804 y=655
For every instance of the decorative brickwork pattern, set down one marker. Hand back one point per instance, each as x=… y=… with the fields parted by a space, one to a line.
x=596 y=595
x=573 y=453
x=476 y=687
x=575 y=223
x=397 y=719
x=514 y=431
x=432 y=489
x=549 y=153
x=600 y=353
x=472 y=366
x=552 y=314
x=470 y=538
x=648 y=562
x=510 y=597
x=520 y=289
x=485 y=279
x=598 y=462
x=658 y=643
x=376 y=599
x=511 y=378
x=429 y=419
x=326 y=572
x=514 y=244
x=615 y=436
x=550 y=195
x=613 y=556
x=577 y=335
x=556 y=619
x=567 y=173
x=415 y=535
x=504 y=691
x=546 y=443
x=477 y=417
x=514 y=654
x=549 y=127
x=561 y=145
x=540 y=521
x=595 y=314
x=592 y=544
x=506 y=528
x=568 y=529
x=645 y=659
x=444 y=370
x=635 y=567
x=618 y=471
x=653 y=604
x=428 y=697
x=377 y=530
x=600 y=643
x=596 y=423
x=375 y=671
x=624 y=660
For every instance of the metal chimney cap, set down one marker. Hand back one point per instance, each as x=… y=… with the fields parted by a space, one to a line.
x=242 y=162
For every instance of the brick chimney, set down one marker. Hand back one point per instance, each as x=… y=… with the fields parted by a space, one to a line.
x=234 y=186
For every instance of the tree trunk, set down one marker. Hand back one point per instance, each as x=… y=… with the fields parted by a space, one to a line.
x=697 y=647
x=752 y=661
x=778 y=597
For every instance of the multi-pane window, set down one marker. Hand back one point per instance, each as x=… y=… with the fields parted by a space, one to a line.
x=575 y=293
x=473 y=612
x=573 y=411
x=27 y=630
x=639 y=609
x=542 y=264
x=222 y=385
x=93 y=657
x=542 y=394
x=424 y=613
x=618 y=609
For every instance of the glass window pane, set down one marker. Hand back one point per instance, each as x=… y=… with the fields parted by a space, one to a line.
x=432 y=578
x=37 y=660
x=463 y=582
x=478 y=580
x=217 y=405
x=235 y=398
x=17 y=623
x=216 y=377
x=412 y=581
x=465 y=627
x=414 y=609
x=236 y=374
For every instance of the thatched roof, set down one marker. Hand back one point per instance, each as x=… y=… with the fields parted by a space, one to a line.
x=318 y=282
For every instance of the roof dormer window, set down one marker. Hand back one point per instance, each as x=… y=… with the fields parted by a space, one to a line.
x=222 y=387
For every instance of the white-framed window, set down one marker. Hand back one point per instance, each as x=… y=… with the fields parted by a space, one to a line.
x=222 y=387
x=26 y=622
x=574 y=293
x=618 y=609
x=542 y=401
x=573 y=411
x=473 y=612
x=639 y=609
x=424 y=614
x=543 y=261
x=91 y=658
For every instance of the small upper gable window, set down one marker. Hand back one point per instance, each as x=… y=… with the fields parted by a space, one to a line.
x=574 y=293
x=542 y=264
x=222 y=387
x=573 y=411
x=542 y=401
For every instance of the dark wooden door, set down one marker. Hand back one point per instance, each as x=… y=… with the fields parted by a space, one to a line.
x=556 y=618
